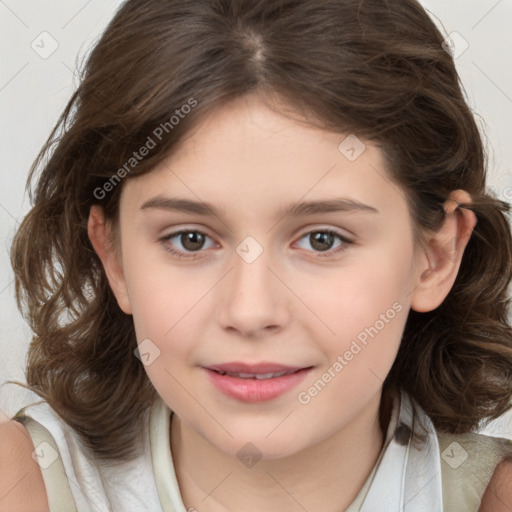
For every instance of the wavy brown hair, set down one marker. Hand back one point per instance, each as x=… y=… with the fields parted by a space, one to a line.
x=373 y=68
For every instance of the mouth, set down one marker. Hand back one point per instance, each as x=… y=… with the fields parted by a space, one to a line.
x=259 y=376
x=263 y=368
x=255 y=383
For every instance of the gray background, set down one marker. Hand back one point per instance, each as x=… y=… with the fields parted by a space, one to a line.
x=35 y=86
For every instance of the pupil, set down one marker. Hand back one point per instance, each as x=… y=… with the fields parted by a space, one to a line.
x=321 y=241
x=192 y=241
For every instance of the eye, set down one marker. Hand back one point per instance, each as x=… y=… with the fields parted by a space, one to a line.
x=187 y=242
x=325 y=241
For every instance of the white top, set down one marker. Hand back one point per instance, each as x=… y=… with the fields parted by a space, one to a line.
x=404 y=479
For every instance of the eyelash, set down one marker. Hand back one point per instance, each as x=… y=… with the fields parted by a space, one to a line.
x=193 y=255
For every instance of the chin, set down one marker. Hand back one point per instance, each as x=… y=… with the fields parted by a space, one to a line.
x=253 y=445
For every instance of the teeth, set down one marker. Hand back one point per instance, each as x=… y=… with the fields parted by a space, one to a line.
x=269 y=375
x=261 y=376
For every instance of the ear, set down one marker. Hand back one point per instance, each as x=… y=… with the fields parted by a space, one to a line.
x=441 y=259
x=101 y=239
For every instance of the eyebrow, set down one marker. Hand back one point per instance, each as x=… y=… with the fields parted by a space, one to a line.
x=297 y=209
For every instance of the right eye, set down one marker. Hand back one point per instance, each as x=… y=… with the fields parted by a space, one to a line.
x=191 y=241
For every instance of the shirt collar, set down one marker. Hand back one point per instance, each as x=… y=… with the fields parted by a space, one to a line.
x=406 y=477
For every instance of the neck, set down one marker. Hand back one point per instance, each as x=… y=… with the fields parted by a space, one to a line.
x=324 y=477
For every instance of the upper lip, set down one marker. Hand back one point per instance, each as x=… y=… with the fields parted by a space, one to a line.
x=256 y=369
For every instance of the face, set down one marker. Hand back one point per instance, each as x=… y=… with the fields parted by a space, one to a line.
x=260 y=277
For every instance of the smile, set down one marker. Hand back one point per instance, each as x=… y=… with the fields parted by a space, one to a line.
x=253 y=387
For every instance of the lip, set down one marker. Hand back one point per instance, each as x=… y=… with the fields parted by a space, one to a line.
x=252 y=390
x=257 y=368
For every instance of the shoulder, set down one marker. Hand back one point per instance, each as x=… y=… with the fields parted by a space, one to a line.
x=21 y=482
x=471 y=466
x=498 y=495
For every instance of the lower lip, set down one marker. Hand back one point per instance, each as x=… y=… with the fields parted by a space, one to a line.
x=254 y=390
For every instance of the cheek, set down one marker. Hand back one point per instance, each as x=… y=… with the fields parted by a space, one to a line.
x=166 y=308
x=363 y=308
x=160 y=305
x=359 y=293
x=161 y=294
x=366 y=313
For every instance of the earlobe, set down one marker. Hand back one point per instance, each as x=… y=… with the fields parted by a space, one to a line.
x=442 y=257
x=101 y=240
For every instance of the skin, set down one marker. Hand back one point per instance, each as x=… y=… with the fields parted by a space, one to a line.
x=293 y=305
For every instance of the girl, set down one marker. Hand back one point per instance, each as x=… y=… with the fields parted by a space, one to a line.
x=263 y=272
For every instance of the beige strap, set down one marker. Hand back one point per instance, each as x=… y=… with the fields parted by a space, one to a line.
x=468 y=462
x=60 y=498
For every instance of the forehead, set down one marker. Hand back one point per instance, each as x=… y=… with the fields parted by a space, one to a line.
x=246 y=154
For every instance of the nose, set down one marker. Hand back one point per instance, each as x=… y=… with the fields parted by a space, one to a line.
x=252 y=301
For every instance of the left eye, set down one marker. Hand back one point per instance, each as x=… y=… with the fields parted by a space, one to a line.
x=325 y=240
